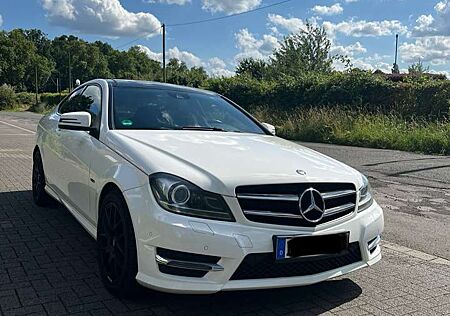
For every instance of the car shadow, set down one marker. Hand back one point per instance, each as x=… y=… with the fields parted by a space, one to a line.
x=47 y=250
x=312 y=300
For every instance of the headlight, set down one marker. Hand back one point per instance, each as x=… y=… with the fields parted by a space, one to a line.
x=365 y=195
x=182 y=197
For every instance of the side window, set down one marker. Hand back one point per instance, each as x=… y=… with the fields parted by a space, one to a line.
x=72 y=103
x=92 y=102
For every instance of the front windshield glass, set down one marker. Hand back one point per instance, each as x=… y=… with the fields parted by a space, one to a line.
x=150 y=108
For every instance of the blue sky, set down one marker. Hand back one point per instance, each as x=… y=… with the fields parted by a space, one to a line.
x=364 y=30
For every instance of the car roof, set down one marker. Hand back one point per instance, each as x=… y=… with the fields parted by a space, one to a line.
x=155 y=85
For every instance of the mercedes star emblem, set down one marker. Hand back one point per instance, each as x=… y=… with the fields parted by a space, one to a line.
x=312 y=205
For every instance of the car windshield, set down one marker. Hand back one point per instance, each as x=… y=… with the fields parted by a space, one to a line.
x=150 y=108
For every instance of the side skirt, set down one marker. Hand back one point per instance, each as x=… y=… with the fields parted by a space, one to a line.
x=91 y=229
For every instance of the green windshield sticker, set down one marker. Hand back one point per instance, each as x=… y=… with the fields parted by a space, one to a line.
x=127 y=122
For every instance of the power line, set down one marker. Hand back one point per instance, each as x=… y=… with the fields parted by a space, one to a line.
x=207 y=20
x=137 y=38
x=228 y=16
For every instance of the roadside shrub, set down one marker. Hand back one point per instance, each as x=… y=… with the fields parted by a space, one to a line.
x=348 y=127
x=50 y=100
x=357 y=90
x=7 y=97
x=25 y=98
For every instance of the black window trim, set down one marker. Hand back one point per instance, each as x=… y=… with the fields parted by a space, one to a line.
x=68 y=96
x=96 y=132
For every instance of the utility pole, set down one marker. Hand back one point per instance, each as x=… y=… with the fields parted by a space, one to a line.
x=58 y=88
x=36 y=84
x=395 y=69
x=164 y=52
x=70 y=74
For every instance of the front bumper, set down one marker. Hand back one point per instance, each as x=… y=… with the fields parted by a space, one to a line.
x=232 y=242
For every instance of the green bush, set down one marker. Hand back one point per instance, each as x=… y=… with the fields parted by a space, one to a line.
x=7 y=97
x=50 y=100
x=356 y=90
x=26 y=98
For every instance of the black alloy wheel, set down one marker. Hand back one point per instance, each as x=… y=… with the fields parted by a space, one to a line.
x=116 y=245
x=40 y=197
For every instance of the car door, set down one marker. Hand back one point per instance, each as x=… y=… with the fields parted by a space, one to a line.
x=53 y=150
x=78 y=147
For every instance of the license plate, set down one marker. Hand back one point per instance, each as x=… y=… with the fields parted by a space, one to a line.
x=287 y=247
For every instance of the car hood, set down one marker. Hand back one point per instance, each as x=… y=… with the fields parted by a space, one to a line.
x=219 y=161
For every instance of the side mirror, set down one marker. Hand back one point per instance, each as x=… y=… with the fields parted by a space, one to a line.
x=77 y=121
x=270 y=128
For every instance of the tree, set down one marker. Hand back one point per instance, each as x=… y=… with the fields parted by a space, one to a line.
x=254 y=68
x=306 y=51
x=19 y=61
x=418 y=68
x=179 y=73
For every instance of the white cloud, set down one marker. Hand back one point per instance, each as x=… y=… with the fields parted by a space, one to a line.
x=439 y=24
x=355 y=28
x=371 y=63
x=1 y=20
x=362 y=28
x=230 y=6
x=424 y=24
x=250 y=46
x=350 y=50
x=105 y=17
x=187 y=57
x=351 y=1
x=215 y=66
x=179 y=2
x=335 y=9
x=292 y=25
x=431 y=49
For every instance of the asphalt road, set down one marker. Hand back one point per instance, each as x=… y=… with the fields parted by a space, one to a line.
x=48 y=261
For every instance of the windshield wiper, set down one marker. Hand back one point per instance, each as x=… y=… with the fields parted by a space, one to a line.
x=203 y=128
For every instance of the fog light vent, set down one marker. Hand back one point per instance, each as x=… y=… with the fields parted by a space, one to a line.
x=372 y=244
x=185 y=263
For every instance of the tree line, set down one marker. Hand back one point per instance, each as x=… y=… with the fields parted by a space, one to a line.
x=300 y=65
x=28 y=57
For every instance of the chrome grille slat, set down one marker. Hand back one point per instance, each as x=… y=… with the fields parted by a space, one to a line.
x=337 y=194
x=271 y=197
x=338 y=209
x=271 y=214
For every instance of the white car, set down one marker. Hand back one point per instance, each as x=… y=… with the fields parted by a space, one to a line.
x=186 y=192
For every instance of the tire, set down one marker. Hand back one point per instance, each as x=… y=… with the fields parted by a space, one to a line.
x=116 y=245
x=40 y=197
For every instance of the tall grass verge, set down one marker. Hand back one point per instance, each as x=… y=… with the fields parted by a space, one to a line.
x=346 y=127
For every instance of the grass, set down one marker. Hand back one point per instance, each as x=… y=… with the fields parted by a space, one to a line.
x=340 y=126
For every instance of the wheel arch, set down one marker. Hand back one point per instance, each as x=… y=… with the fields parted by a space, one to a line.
x=107 y=188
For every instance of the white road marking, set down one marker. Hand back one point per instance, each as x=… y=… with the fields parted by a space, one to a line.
x=14 y=134
x=24 y=129
x=415 y=253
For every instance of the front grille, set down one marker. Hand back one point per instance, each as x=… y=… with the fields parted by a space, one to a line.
x=279 y=203
x=263 y=265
